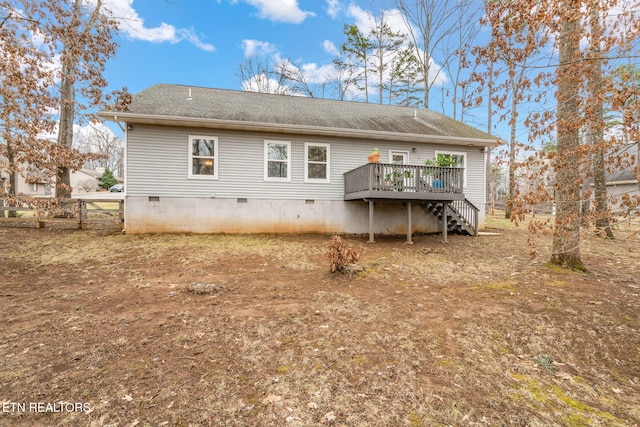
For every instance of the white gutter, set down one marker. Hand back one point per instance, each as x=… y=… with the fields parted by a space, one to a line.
x=633 y=181
x=292 y=129
x=614 y=183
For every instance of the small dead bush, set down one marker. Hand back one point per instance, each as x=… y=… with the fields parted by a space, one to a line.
x=341 y=254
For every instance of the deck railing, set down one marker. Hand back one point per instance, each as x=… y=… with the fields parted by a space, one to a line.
x=468 y=212
x=411 y=178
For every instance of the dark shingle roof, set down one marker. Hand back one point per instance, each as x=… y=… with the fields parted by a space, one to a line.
x=171 y=100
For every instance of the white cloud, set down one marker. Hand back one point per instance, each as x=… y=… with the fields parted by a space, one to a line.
x=362 y=17
x=280 y=10
x=333 y=8
x=315 y=74
x=330 y=48
x=253 y=48
x=133 y=26
x=263 y=84
x=365 y=20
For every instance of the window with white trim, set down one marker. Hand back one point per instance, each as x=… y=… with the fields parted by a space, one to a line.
x=203 y=157
x=316 y=162
x=277 y=165
x=457 y=159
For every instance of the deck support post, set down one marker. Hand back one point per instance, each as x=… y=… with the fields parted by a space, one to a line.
x=371 y=239
x=445 y=209
x=409 y=227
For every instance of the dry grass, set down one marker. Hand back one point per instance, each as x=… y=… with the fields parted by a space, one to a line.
x=470 y=333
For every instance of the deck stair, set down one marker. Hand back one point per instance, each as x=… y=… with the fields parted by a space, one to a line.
x=462 y=216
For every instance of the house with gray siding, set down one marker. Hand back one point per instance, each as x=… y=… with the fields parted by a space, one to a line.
x=203 y=160
x=622 y=184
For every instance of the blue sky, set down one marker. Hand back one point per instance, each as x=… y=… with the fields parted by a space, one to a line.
x=203 y=42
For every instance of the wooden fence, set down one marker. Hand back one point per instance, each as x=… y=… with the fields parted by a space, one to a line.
x=79 y=212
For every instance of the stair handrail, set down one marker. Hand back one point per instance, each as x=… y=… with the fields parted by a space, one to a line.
x=468 y=212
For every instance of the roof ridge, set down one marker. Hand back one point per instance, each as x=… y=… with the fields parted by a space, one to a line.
x=189 y=103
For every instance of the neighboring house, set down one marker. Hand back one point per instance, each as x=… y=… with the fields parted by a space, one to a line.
x=82 y=181
x=86 y=180
x=622 y=181
x=40 y=186
x=220 y=161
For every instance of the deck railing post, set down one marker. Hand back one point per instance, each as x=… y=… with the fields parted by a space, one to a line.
x=371 y=175
x=475 y=221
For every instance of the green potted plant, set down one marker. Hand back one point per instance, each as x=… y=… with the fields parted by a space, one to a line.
x=442 y=161
x=396 y=178
x=374 y=157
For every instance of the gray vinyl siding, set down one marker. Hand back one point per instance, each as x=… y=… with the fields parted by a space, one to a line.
x=158 y=165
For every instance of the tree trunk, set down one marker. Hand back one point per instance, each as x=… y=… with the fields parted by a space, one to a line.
x=601 y=204
x=508 y=210
x=596 y=129
x=490 y=188
x=12 y=179
x=426 y=84
x=65 y=132
x=67 y=106
x=566 y=233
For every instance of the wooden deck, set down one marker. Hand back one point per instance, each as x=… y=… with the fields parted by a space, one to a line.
x=403 y=183
x=439 y=188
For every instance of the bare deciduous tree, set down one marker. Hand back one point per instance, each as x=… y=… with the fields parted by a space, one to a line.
x=62 y=48
x=25 y=98
x=572 y=74
x=98 y=139
x=83 y=32
x=595 y=123
x=258 y=74
x=430 y=24
x=345 y=78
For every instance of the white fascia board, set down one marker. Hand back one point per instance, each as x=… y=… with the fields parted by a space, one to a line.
x=292 y=129
x=627 y=182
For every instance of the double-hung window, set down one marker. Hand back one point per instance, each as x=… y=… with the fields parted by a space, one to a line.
x=277 y=156
x=316 y=162
x=203 y=157
x=457 y=159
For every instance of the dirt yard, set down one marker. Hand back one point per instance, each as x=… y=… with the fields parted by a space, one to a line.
x=98 y=329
